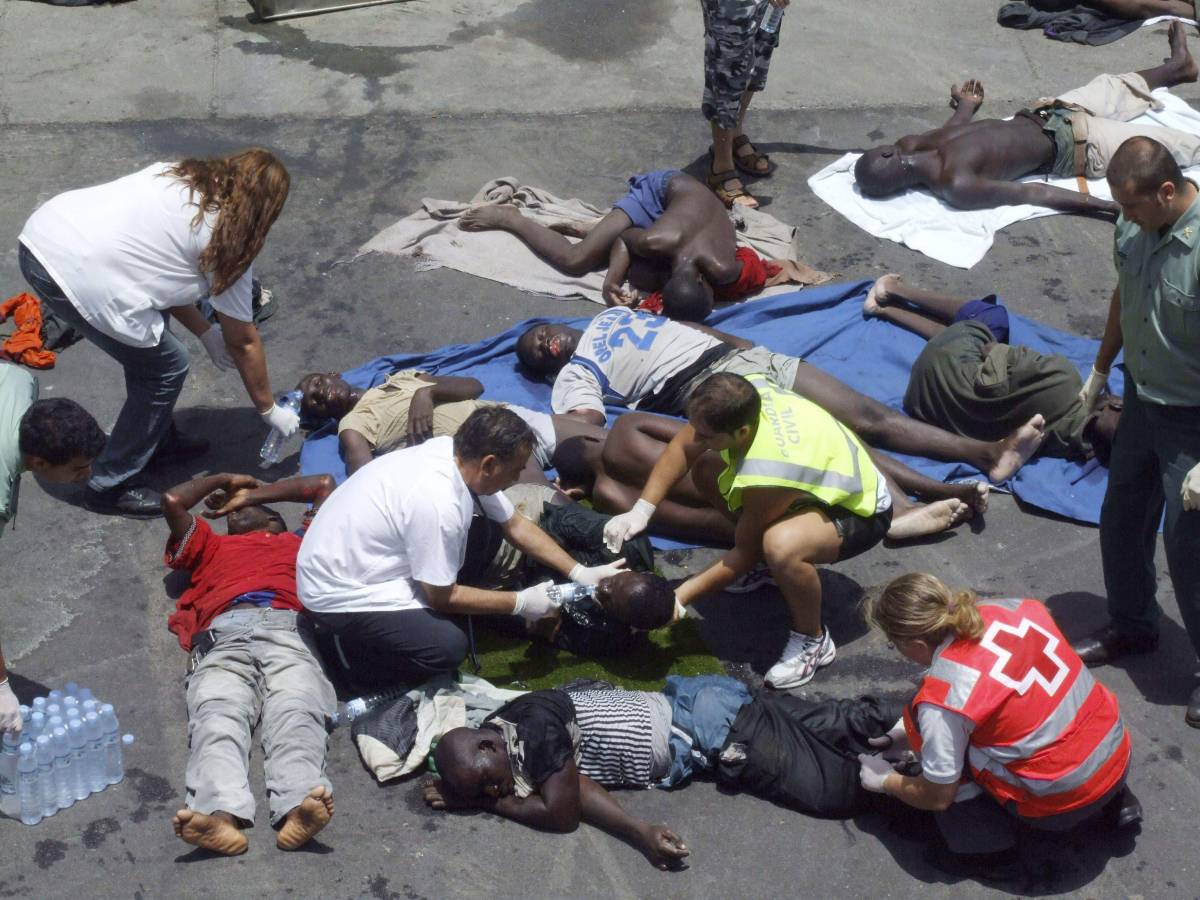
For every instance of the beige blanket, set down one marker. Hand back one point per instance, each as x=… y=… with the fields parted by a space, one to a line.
x=432 y=237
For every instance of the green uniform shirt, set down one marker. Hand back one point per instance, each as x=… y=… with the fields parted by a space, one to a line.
x=18 y=390
x=1159 y=281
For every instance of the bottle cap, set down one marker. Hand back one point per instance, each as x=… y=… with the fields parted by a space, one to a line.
x=39 y=703
x=127 y=739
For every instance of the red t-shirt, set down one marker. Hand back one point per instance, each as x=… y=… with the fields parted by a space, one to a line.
x=225 y=566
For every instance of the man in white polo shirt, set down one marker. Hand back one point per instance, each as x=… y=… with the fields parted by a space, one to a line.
x=379 y=564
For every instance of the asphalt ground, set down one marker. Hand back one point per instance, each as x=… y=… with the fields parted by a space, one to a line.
x=373 y=110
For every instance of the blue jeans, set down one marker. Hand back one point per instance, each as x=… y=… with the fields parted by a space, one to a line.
x=1154 y=449
x=154 y=377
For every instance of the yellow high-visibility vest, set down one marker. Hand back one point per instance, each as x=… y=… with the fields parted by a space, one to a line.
x=799 y=445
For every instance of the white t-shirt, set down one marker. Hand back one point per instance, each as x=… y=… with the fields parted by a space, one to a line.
x=623 y=357
x=400 y=519
x=124 y=251
x=546 y=441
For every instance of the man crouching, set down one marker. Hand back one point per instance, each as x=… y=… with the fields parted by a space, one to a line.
x=251 y=659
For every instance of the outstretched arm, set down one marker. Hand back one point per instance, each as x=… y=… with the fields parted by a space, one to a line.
x=307 y=489
x=598 y=807
x=984 y=193
x=178 y=501
x=965 y=101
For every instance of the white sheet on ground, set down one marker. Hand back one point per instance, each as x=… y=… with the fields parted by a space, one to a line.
x=959 y=237
x=1159 y=19
x=432 y=237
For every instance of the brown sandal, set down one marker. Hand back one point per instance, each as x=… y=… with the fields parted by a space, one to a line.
x=747 y=163
x=716 y=182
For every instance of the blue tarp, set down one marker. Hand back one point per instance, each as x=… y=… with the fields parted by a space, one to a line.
x=825 y=326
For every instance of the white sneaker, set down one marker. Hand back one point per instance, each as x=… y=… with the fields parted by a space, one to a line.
x=801 y=658
x=754 y=579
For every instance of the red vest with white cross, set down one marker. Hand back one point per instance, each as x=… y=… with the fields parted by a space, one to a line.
x=1047 y=736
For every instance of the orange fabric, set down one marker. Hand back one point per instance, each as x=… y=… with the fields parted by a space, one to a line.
x=25 y=346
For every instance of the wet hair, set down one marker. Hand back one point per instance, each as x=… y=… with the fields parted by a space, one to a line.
x=246 y=190
x=687 y=298
x=651 y=603
x=495 y=431
x=1145 y=165
x=872 y=174
x=570 y=459
x=59 y=431
x=725 y=402
x=919 y=606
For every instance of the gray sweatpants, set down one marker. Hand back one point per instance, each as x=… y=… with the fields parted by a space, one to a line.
x=261 y=667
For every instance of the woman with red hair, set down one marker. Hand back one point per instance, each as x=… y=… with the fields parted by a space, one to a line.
x=119 y=260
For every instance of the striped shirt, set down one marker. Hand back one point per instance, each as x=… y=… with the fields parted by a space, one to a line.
x=623 y=736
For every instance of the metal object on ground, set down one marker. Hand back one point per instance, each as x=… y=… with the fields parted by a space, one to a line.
x=273 y=10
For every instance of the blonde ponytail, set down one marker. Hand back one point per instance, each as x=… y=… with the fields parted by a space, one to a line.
x=919 y=606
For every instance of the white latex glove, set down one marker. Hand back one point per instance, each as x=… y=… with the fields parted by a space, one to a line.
x=534 y=603
x=1090 y=393
x=680 y=612
x=1191 y=488
x=214 y=342
x=621 y=528
x=10 y=710
x=873 y=772
x=582 y=574
x=287 y=421
x=894 y=744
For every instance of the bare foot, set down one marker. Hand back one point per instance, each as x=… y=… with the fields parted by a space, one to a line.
x=303 y=822
x=880 y=293
x=487 y=217
x=218 y=832
x=973 y=493
x=929 y=519
x=1180 y=56
x=1014 y=451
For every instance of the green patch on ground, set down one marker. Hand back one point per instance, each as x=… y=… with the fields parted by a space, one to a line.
x=679 y=650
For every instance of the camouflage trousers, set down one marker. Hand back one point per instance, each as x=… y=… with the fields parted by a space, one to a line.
x=736 y=56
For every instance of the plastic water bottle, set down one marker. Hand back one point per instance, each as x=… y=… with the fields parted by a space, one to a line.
x=771 y=19
x=53 y=722
x=89 y=705
x=77 y=738
x=29 y=789
x=84 y=695
x=10 y=752
x=112 y=745
x=274 y=442
x=70 y=702
x=45 y=761
x=26 y=712
x=39 y=704
x=352 y=709
x=119 y=766
x=566 y=594
x=53 y=709
x=37 y=723
x=94 y=753
x=54 y=697
x=64 y=790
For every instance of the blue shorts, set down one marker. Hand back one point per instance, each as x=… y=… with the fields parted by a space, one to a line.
x=647 y=197
x=989 y=312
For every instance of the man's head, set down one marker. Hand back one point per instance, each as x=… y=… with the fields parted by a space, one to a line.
x=544 y=349
x=325 y=395
x=687 y=297
x=249 y=519
x=880 y=172
x=492 y=447
x=1148 y=184
x=473 y=763
x=1101 y=427
x=638 y=599
x=59 y=439
x=574 y=460
x=724 y=411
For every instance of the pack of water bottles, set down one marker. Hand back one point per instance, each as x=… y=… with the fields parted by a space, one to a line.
x=69 y=748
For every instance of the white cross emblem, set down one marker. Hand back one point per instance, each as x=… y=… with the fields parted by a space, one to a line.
x=1048 y=670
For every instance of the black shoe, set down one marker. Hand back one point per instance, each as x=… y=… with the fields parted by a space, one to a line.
x=1002 y=866
x=1108 y=645
x=122 y=500
x=1124 y=810
x=176 y=447
x=1192 y=716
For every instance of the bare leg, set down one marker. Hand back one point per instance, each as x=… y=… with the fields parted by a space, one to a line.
x=1179 y=67
x=909 y=320
x=218 y=832
x=903 y=480
x=589 y=254
x=303 y=822
x=633 y=447
x=791 y=548
x=722 y=161
x=1145 y=9
x=880 y=426
x=891 y=289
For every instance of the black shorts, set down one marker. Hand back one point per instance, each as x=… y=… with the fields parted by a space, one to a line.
x=858 y=533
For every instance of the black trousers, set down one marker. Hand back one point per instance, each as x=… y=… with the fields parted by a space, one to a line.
x=380 y=650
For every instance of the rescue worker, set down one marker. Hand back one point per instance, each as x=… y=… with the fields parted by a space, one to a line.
x=800 y=486
x=1009 y=725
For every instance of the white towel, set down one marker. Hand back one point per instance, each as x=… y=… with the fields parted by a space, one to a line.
x=432 y=237
x=1157 y=19
x=960 y=237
